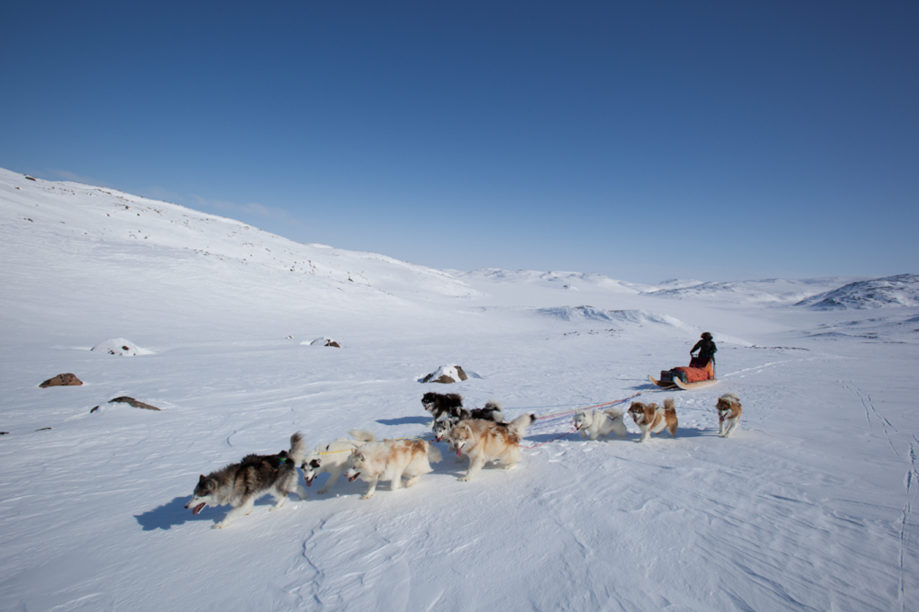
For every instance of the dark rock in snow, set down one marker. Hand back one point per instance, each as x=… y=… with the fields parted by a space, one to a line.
x=124 y=399
x=67 y=379
x=446 y=375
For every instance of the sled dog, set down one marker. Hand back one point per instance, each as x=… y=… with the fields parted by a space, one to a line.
x=652 y=418
x=391 y=460
x=442 y=404
x=485 y=441
x=490 y=412
x=595 y=423
x=240 y=484
x=729 y=411
x=333 y=458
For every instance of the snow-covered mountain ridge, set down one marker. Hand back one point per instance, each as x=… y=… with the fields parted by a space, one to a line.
x=898 y=290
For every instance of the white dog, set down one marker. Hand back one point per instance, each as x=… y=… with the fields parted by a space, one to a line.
x=333 y=458
x=391 y=460
x=595 y=423
x=729 y=411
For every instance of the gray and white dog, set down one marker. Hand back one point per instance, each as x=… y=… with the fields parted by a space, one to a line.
x=240 y=484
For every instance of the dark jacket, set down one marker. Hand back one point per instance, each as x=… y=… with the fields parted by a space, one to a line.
x=706 y=348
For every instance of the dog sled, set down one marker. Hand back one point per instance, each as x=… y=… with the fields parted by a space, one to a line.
x=694 y=376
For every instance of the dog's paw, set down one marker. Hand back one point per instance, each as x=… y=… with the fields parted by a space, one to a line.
x=219 y=525
x=366 y=495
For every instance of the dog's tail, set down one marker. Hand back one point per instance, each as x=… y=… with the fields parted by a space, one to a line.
x=614 y=413
x=669 y=406
x=362 y=436
x=297 y=448
x=434 y=453
x=495 y=408
x=519 y=425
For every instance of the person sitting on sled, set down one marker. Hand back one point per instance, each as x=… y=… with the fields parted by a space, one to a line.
x=707 y=349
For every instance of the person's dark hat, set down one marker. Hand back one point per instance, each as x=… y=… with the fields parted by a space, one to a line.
x=706 y=336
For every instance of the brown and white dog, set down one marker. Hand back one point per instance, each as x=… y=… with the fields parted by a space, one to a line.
x=483 y=441
x=728 y=414
x=391 y=460
x=652 y=418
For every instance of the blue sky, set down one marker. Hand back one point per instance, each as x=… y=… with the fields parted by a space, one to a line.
x=649 y=140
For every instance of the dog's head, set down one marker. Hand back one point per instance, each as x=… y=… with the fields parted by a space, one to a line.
x=355 y=464
x=727 y=404
x=641 y=412
x=310 y=466
x=581 y=420
x=202 y=495
x=442 y=429
x=428 y=400
x=462 y=437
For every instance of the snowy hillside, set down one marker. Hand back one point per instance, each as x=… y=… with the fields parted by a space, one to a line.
x=899 y=290
x=221 y=334
x=176 y=253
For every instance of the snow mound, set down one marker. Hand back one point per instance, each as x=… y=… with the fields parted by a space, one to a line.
x=446 y=374
x=899 y=290
x=121 y=347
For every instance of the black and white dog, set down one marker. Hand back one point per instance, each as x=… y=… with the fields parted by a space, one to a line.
x=443 y=404
x=451 y=406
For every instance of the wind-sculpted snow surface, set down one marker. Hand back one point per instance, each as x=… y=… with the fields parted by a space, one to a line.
x=807 y=506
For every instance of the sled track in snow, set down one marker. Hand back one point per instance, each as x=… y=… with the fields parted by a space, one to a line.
x=765 y=366
x=907 y=509
x=871 y=412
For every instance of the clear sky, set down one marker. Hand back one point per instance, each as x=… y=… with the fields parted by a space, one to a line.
x=646 y=140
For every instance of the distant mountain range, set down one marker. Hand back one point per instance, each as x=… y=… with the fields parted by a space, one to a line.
x=898 y=290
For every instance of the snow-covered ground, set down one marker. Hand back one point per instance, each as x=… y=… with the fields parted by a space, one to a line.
x=807 y=506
